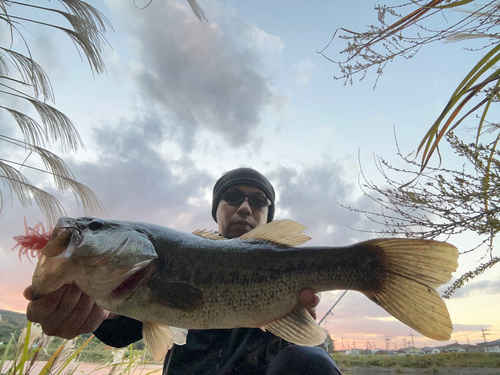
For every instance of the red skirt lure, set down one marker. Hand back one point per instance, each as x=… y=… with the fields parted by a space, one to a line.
x=33 y=241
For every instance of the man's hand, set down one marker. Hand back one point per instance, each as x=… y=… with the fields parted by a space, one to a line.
x=67 y=312
x=310 y=299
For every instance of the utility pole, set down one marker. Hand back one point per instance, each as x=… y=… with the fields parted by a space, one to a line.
x=327 y=343
x=412 y=343
x=387 y=339
x=354 y=343
x=342 y=337
x=484 y=334
x=468 y=343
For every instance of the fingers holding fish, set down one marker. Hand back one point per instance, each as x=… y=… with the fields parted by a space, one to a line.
x=51 y=310
x=94 y=317
x=66 y=313
x=310 y=300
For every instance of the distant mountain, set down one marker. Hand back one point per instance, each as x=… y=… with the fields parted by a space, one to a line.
x=11 y=323
x=13 y=316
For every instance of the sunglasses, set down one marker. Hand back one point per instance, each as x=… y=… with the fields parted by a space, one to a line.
x=235 y=198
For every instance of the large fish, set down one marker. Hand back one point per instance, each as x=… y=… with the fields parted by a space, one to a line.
x=166 y=278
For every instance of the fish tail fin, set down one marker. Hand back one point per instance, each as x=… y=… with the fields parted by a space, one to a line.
x=159 y=338
x=415 y=268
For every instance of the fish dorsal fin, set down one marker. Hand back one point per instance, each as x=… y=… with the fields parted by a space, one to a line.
x=159 y=338
x=210 y=234
x=298 y=328
x=283 y=232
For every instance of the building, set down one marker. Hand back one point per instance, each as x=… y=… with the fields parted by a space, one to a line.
x=410 y=350
x=428 y=350
x=355 y=352
x=490 y=347
x=455 y=348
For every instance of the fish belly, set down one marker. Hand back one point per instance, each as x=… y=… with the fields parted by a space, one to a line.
x=224 y=306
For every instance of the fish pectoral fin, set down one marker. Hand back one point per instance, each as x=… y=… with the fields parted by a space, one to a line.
x=176 y=295
x=210 y=234
x=284 y=232
x=299 y=328
x=159 y=338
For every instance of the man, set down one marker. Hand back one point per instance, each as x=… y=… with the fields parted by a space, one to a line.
x=243 y=199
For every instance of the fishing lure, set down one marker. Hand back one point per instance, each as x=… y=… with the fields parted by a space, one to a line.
x=33 y=241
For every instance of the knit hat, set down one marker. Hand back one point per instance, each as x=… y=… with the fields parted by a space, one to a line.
x=243 y=176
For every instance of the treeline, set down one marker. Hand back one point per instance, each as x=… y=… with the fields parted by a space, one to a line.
x=11 y=323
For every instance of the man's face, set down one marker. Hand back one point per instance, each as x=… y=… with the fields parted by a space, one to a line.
x=237 y=220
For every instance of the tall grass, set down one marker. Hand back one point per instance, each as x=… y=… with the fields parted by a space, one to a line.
x=62 y=357
x=32 y=347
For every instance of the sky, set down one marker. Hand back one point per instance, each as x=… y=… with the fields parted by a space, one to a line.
x=184 y=101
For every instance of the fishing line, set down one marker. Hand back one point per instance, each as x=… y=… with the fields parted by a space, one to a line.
x=331 y=308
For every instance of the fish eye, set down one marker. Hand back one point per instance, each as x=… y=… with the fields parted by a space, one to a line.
x=96 y=225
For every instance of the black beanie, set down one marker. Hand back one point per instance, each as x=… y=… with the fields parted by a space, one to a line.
x=243 y=176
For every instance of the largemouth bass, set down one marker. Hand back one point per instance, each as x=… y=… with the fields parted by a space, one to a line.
x=166 y=278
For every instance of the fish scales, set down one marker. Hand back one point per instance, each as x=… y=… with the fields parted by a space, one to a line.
x=240 y=283
x=248 y=262
x=167 y=278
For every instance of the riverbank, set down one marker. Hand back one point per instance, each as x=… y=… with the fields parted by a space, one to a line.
x=435 y=364
x=98 y=368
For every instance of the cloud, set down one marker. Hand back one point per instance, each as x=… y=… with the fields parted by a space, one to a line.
x=489 y=287
x=311 y=195
x=208 y=75
x=357 y=318
x=47 y=48
x=134 y=178
x=137 y=180
x=303 y=71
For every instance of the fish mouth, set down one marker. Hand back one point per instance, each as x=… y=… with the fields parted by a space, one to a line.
x=52 y=270
x=126 y=288
x=65 y=238
x=101 y=264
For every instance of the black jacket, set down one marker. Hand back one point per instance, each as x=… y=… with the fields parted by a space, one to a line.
x=239 y=351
